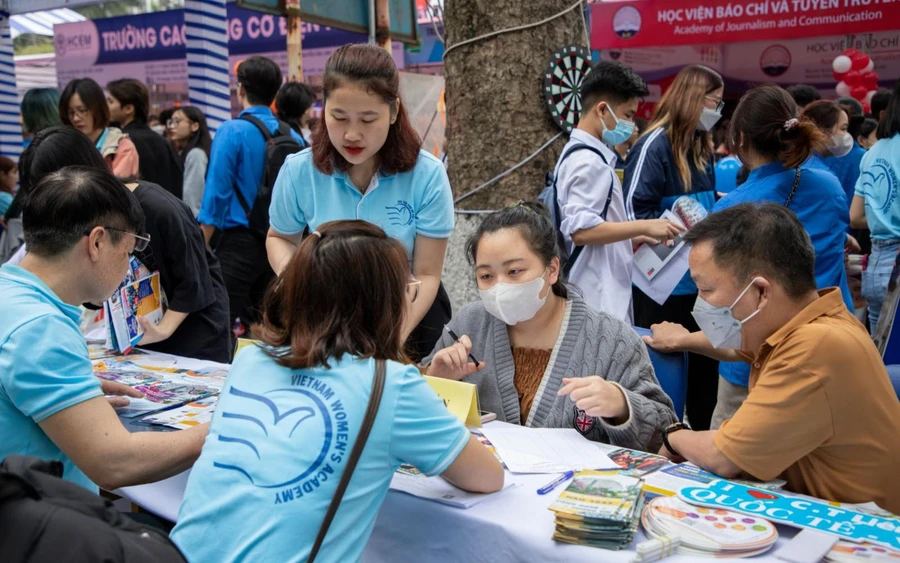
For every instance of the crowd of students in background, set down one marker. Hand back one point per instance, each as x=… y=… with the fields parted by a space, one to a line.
x=325 y=239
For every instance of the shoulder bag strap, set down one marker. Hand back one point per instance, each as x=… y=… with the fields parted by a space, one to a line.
x=358 y=446
x=793 y=189
x=576 y=251
x=267 y=136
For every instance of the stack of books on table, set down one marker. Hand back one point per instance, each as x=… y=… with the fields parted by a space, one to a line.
x=599 y=509
x=707 y=532
x=848 y=552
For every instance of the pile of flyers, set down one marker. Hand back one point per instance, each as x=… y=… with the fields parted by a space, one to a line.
x=599 y=509
x=707 y=532
x=848 y=552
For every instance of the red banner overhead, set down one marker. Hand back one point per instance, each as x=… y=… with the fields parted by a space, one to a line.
x=655 y=23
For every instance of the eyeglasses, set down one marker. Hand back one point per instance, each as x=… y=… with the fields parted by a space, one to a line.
x=412 y=288
x=173 y=123
x=720 y=103
x=141 y=241
x=80 y=112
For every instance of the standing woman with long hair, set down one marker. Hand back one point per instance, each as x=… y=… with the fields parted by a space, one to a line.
x=674 y=158
x=366 y=163
x=877 y=207
x=190 y=137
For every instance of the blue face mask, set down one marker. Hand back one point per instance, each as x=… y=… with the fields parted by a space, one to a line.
x=620 y=134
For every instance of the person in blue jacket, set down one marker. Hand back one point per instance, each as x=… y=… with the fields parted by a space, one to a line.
x=366 y=163
x=775 y=145
x=843 y=154
x=876 y=206
x=674 y=158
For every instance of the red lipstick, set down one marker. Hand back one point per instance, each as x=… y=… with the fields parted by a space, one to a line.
x=353 y=150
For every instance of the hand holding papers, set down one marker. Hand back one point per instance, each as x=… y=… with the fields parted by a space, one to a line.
x=545 y=450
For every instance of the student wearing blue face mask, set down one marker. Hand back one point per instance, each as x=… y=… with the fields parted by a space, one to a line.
x=547 y=359
x=776 y=146
x=591 y=203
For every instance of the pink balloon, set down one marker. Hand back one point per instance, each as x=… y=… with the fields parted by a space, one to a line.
x=859 y=93
x=842 y=89
x=860 y=61
x=842 y=64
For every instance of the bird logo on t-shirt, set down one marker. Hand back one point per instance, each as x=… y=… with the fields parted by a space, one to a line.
x=260 y=433
x=880 y=184
x=400 y=215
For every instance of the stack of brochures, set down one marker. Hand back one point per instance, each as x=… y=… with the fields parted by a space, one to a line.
x=707 y=532
x=139 y=295
x=599 y=509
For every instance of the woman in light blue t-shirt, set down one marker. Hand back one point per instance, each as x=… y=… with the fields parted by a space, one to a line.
x=366 y=163
x=876 y=206
x=291 y=409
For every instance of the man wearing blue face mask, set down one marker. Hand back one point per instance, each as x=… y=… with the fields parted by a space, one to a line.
x=591 y=203
x=821 y=412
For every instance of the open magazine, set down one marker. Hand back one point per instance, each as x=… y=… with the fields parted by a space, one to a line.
x=140 y=295
x=650 y=259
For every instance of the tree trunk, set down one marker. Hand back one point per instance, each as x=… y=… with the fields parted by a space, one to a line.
x=496 y=113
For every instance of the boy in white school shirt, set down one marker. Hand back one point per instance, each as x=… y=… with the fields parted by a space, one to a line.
x=592 y=208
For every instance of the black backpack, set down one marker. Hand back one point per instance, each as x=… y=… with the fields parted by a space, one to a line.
x=549 y=196
x=45 y=518
x=279 y=146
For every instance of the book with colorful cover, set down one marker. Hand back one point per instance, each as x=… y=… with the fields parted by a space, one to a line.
x=635 y=463
x=598 y=495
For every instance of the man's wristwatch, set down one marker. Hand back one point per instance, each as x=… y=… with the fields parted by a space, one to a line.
x=674 y=427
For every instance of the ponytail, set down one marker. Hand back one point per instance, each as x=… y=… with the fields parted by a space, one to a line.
x=800 y=141
x=766 y=121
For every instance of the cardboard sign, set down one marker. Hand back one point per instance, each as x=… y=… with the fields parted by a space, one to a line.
x=796 y=512
x=459 y=397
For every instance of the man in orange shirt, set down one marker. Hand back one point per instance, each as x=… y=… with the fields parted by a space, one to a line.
x=821 y=412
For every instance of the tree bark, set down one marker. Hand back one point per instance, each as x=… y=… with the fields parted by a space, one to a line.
x=496 y=113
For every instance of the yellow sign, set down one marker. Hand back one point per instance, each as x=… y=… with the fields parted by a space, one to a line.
x=243 y=343
x=460 y=398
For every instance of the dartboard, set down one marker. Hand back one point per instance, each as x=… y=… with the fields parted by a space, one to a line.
x=565 y=73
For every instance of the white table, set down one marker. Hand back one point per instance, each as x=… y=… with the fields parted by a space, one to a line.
x=513 y=526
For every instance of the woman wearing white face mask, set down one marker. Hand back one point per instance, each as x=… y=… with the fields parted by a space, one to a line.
x=843 y=155
x=674 y=158
x=545 y=358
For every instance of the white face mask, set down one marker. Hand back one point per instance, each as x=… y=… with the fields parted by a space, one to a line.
x=514 y=303
x=718 y=323
x=708 y=119
x=843 y=142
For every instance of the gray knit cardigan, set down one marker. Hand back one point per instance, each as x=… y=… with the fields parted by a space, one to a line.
x=589 y=343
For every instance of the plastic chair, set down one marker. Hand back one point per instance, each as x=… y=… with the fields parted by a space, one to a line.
x=671 y=371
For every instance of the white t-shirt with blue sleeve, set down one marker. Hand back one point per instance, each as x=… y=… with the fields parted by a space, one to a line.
x=278 y=444
x=44 y=367
x=418 y=202
x=879 y=186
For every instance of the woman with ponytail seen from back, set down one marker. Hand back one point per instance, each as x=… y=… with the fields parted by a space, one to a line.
x=775 y=145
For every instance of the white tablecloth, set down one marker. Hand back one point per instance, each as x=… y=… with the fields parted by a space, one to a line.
x=512 y=526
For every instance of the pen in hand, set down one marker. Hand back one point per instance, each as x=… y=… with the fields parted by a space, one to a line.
x=456 y=338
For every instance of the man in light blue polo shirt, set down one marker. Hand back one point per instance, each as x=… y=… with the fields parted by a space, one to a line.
x=80 y=227
x=237 y=164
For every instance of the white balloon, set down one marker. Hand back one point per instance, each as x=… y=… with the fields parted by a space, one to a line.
x=842 y=89
x=869 y=67
x=869 y=97
x=842 y=64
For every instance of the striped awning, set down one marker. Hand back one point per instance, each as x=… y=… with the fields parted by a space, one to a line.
x=41 y=23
